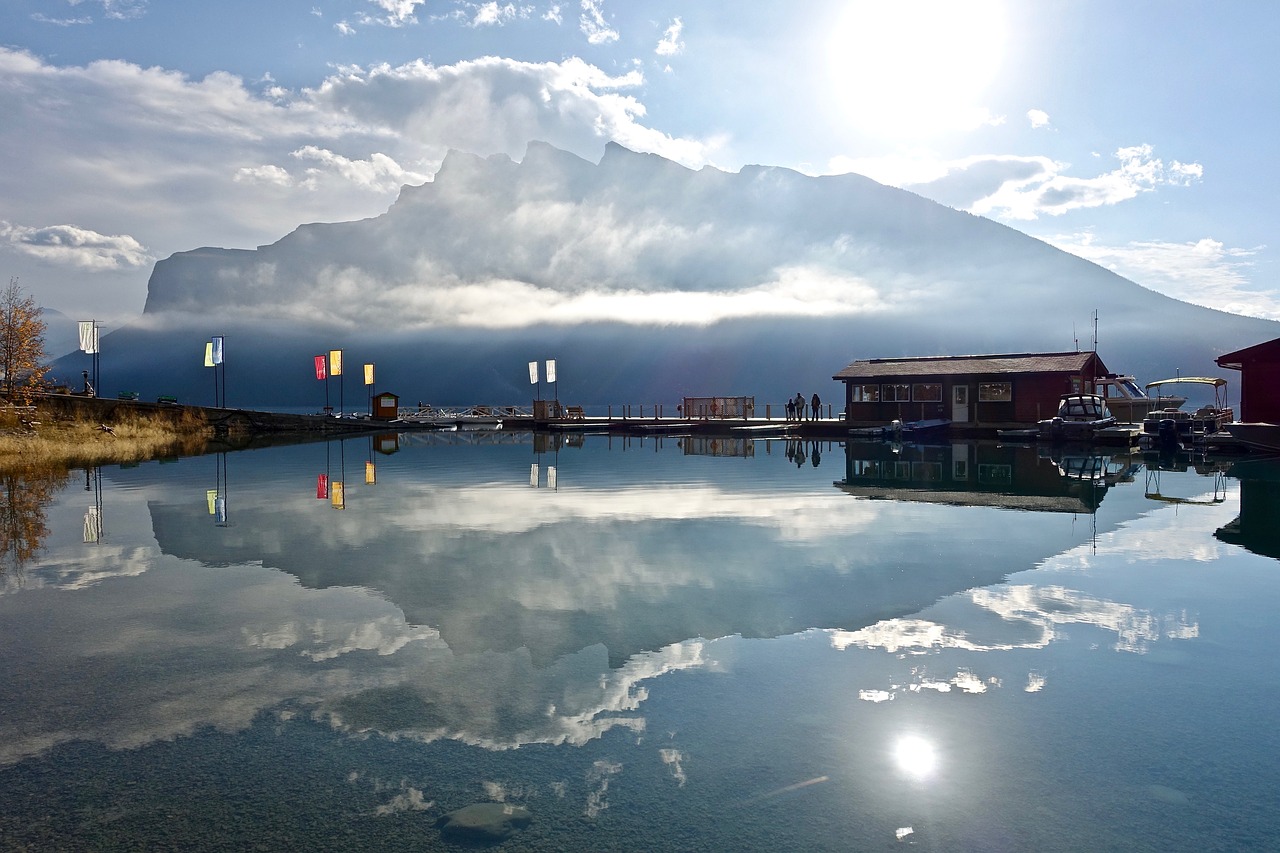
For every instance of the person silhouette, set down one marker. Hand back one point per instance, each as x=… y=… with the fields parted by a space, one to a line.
x=816 y=411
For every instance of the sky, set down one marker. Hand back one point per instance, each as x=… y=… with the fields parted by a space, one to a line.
x=1140 y=135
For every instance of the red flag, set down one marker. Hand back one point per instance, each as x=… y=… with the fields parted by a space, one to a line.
x=320 y=374
x=322 y=487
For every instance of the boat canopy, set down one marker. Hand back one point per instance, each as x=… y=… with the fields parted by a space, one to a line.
x=1197 y=380
x=1219 y=386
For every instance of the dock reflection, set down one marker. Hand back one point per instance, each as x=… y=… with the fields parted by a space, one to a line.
x=1038 y=479
x=1256 y=528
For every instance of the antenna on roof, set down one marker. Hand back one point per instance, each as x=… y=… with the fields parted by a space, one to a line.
x=1075 y=337
x=1095 y=329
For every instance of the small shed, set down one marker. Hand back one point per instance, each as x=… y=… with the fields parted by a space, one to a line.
x=1014 y=388
x=1259 y=367
x=386 y=406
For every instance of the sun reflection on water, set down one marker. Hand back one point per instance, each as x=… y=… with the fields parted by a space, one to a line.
x=915 y=756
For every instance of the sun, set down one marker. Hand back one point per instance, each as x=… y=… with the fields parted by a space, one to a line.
x=911 y=68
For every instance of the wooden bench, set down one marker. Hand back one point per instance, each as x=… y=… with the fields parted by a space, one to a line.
x=574 y=412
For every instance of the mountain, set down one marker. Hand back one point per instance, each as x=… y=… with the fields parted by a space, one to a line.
x=646 y=281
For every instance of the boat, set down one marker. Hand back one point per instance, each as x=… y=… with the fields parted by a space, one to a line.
x=1080 y=418
x=899 y=430
x=1129 y=402
x=917 y=430
x=1258 y=436
x=1174 y=427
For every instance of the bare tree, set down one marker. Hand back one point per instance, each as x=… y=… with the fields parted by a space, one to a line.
x=22 y=356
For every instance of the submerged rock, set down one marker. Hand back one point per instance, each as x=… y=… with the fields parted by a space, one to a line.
x=485 y=822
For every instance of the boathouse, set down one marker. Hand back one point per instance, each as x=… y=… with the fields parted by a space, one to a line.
x=1259 y=367
x=1019 y=388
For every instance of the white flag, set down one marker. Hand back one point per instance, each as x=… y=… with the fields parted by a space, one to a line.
x=551 y=370
x=533 y=373
x=88 y=336
x=551 y=476
x=533 y=475
x=217 y=349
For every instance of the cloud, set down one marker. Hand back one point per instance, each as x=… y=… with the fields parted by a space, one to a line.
x=670 y=44
x=1139 y=172
x=399 y=13
x=60 y=22
x=1203 y=272
x=593 y=24
x=496 y=14
x=68 y=245
x=1038 y=118
x=1023 y=188
x=148 y=146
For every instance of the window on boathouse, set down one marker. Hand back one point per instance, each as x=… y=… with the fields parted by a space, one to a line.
x=866 y=393
x=896 y=393
x=995 y=392
x=927 y=392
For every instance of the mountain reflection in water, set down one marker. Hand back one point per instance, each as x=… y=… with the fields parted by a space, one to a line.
x=441 y=594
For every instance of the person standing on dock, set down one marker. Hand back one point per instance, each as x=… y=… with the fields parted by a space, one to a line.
x=799 y=406
x=816 y=411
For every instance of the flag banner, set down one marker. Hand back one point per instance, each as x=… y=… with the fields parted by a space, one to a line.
x=220 y=511
x=322 y=487
x=92 y=525
x=208 y=353
x=211 y=496
x=551 y=476
x=370 y=474
x=89 y=336
x=533 y=475
x=335 y=362
x=533 y=373
x=368 y=374
x=217 y=349
x=320 y=374
x=551 y=370
x=336 y=495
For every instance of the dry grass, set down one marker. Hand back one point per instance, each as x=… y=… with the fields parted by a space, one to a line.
x=48 y=439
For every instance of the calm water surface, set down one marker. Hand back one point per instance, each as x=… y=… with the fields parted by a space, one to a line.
x=659 y=645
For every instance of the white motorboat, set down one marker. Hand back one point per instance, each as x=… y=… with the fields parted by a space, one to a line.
x=1128 y=401
x=1080 y=417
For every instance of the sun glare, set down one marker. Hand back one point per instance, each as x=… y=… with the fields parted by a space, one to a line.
x=916 y=67
x=915 y=756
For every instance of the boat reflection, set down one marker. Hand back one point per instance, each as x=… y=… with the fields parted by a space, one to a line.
x=1041 y=479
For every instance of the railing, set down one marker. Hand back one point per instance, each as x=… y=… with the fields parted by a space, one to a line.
x=461 y=413
x=608 y=411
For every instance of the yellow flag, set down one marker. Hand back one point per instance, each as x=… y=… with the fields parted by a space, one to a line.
x=370 y=475
x=335 y=362
x=368 y=374
x=208 y=354
x=211 y=496
x=335 y=491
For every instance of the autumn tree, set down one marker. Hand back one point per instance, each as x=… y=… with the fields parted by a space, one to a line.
x=22 y=356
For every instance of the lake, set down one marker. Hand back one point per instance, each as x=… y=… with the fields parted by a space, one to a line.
x=659 y=644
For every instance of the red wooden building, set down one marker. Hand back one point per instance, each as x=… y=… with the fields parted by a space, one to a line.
x=1018 y=388
x=1259 y=367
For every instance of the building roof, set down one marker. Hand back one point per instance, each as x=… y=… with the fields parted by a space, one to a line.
x=965 y=365
x=1267 y=351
